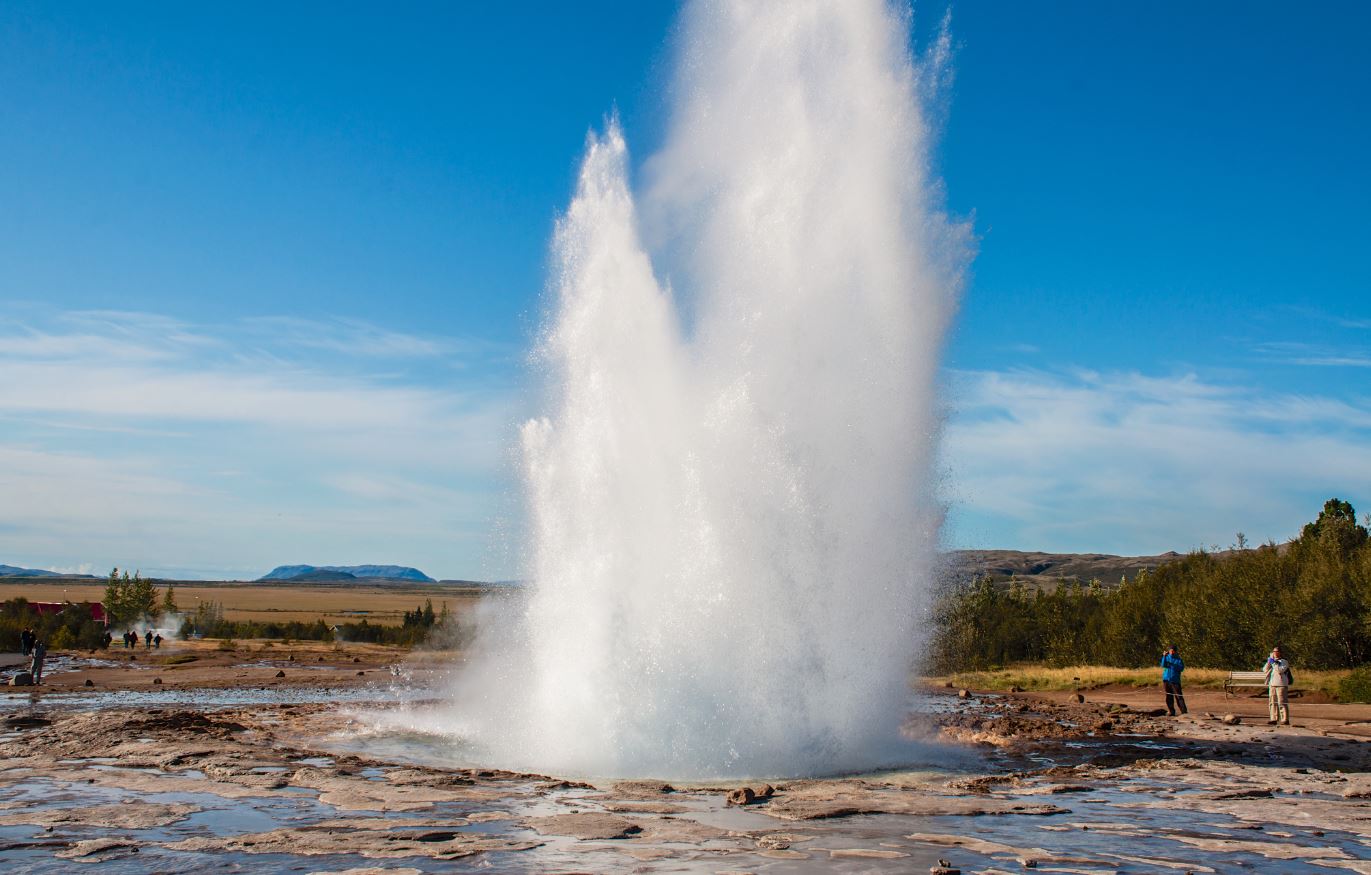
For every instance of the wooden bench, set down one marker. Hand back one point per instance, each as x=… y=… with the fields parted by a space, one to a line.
x=1243 y=679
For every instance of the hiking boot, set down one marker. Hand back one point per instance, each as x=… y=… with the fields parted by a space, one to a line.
x=1270 y=723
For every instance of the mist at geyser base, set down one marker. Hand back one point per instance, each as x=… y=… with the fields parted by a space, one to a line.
x=733 y=523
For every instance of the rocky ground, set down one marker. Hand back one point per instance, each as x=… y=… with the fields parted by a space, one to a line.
x=1041 y=782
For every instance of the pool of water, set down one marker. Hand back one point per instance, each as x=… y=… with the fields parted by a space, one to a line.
x=207 y=699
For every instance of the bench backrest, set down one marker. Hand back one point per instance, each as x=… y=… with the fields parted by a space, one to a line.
x=1247 y=676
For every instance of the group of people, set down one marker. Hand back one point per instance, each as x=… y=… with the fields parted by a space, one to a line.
x=151 y=640
x=1279 y=679
x=36 y=649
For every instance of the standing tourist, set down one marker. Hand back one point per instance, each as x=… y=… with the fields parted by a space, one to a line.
x=147 y=636
x=1278 y=680
x=26 y=639
x=40 y=651
x=1172 y=666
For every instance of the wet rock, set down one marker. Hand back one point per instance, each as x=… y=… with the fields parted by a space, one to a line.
x=963 y=694
x=741 y=796
x=750 y=794
x=1080 y=699
x=89 y=682
x=1232 y=719
x=280 y=674
x=642 y=789
x=291 y=657
x=361 y=673
x=125 y=815
x=584 y=825
x=373 y=843
x=97 y=847
x=780 y=841
x=1255 y=793
x=356 y=659
x=21 y=679
x=157 y=680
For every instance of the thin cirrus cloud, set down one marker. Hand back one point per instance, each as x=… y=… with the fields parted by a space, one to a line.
x=1127 y=463
x=140 y=440
x=137 y=440
x=1316 y=355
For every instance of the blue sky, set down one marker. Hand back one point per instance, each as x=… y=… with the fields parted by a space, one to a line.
x=268 y=275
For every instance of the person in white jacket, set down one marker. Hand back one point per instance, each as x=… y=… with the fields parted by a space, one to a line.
x=1278 y=679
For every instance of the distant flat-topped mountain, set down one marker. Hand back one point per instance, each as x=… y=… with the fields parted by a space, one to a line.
x=964 y=565
x=346 y=572
x=15 y=571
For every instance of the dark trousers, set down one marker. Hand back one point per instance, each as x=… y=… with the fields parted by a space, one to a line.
x=1174 y=696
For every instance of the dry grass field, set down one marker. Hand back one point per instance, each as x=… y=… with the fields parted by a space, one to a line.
x=334 y=604
x=1042 y=678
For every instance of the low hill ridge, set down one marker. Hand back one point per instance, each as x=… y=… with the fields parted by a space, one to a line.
x=965 y=565
x=16 y=571
x=346 y=572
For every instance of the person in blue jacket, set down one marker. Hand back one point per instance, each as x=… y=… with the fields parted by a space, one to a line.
x=1172 y=666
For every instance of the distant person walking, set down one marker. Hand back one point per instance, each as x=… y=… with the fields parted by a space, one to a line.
x=1278 y=681
x=157 y=641
x=148 y=638
x=1172 y=666
x=40 y=652
x=26 y=639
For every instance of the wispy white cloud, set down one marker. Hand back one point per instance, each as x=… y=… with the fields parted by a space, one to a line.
x=120 y=428
x=353 y=337
x=1127 y=462
x=1314 y=355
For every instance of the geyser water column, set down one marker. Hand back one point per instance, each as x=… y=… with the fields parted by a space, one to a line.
x=733 y=524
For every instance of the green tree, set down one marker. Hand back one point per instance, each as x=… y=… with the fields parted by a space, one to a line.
x=142 y=596
x=169 y=601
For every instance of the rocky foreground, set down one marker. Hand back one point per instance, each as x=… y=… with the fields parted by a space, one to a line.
x=1053 y=785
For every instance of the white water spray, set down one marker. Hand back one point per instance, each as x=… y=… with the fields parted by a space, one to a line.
x=733 y=522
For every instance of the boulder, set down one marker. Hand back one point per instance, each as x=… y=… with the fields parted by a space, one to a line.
x=1080 y=699
x=89 y=682
x=21 y=679
x=1232 y=719
x=157 y=681
x=280 y=674
x=751 y=794
x=963 y=694
x=741 y=796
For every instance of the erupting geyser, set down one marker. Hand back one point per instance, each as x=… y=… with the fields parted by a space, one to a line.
x=733 y=521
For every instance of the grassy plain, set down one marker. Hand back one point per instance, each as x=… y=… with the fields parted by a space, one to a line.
x=251 y=601
x=1092 y=677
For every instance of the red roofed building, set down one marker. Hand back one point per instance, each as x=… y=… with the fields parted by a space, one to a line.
x=97 y=610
